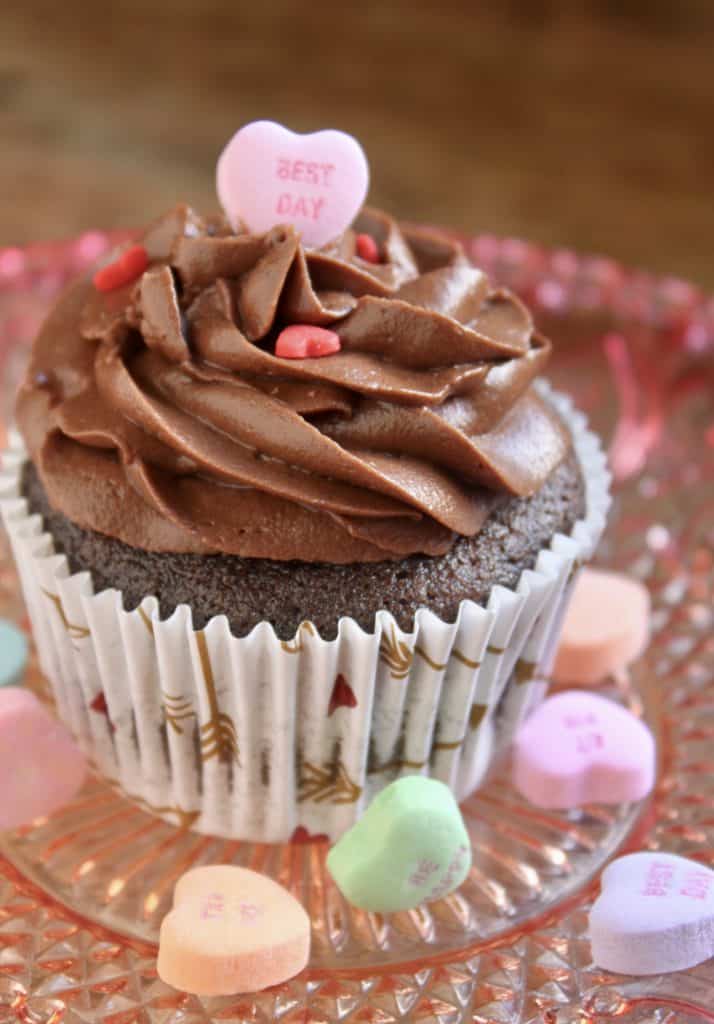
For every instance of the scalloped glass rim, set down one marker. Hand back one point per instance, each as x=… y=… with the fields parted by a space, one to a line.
x=540 y=971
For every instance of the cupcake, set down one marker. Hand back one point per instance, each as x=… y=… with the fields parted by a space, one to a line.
x=271 y=569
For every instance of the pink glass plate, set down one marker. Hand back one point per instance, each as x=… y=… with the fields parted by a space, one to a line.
x=82 y=893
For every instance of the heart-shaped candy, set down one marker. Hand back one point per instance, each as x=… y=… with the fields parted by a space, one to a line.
x=655 y=914
x=41 y=767
x=268 y=175
x=579 y=748
x=408 y=848
x=231 y=931
x=606 y=627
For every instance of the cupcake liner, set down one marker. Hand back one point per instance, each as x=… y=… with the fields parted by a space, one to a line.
x=255 y=737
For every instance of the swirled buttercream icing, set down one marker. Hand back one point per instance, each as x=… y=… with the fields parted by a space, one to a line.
x=159 y=414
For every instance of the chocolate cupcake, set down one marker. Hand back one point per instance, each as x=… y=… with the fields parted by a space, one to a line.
x=265 y=583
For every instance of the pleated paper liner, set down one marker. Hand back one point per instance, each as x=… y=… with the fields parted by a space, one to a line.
x=257 y=738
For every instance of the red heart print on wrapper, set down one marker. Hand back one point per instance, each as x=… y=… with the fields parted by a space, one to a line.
x=655 y=914
x=578 y=748
x=268 y=175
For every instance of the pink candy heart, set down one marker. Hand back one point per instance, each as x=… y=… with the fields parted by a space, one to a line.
x=578 y=748
x=655 y=914
x=268 y=175
x=41 y=766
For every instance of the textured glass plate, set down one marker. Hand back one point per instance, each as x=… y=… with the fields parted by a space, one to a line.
x=82 y=893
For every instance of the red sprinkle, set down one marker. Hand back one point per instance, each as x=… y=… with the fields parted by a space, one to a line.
x=130 y=265
x=367 y=248
x=302 y=341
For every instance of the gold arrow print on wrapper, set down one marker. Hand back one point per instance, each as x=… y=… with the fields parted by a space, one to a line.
x=218 y=735
x=177 y=709
x=146 y=620
x=525 y=671
x=437 y=666
x=185 y=819
x=75 y=632
x=295 y=646
x=397 y=654
x=330 y=784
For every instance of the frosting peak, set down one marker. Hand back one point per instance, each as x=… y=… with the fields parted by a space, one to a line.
x=158 y=413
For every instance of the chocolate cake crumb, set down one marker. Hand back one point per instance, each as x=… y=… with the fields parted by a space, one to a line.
x=250 y=590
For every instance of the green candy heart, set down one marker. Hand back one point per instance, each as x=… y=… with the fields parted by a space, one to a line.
x=410 y=847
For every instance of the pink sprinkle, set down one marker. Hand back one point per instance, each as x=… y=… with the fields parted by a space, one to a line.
x=367 y=248
x=303 y=341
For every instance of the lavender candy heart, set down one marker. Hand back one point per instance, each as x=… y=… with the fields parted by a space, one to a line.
x=655 y=914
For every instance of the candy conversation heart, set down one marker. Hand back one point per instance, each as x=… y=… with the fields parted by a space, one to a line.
x=268 y=175
x=231 y=931
x=579 y=748
x=606 y=627
x=655 y=914
x=41 y=767
x=409 y=847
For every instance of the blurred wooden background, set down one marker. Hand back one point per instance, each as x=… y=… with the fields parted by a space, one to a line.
x=575 y=122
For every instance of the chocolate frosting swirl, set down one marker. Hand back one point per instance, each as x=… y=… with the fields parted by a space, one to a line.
x=158 y=413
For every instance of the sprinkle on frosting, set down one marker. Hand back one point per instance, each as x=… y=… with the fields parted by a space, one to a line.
x=367 y=248
x=173 y=424
x=301 y=341
x=130 y=265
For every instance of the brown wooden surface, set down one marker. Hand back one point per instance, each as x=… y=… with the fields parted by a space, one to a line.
x=580 y=124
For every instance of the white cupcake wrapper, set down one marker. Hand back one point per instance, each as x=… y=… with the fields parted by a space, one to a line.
x=253 y=737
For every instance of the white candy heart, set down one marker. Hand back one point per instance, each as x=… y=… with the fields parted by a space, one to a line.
x=655 y=914
x=268 y=175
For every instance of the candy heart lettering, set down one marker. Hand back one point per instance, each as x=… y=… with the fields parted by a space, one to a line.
x=268 y=175
x=655 y=914
x=579 y=748
x=231 y=931
x=409 y=847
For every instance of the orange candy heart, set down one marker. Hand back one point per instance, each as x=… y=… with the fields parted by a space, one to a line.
x=232 y=931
